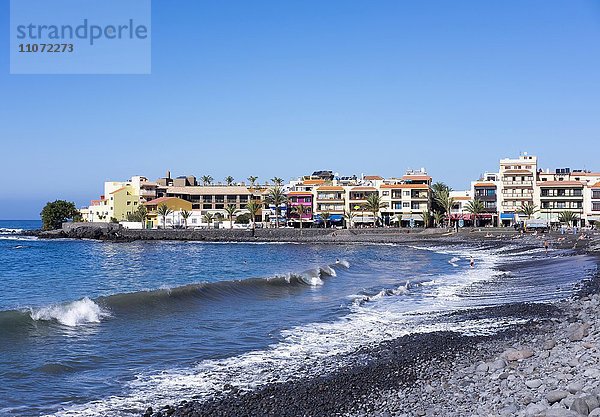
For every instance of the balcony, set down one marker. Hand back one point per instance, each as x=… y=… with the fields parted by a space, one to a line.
x=518 y=196
x=519 y=183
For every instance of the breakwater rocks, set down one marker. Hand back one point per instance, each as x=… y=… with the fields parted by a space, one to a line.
x=115 y=232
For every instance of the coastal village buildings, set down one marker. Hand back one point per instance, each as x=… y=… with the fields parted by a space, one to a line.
x=325 y=197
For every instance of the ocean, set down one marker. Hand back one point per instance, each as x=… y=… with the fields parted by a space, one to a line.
x=91 y=328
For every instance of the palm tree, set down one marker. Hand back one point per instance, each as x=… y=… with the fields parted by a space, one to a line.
x=437 y=190
x=426 y=218
x=208 y=218
x=230 y=210
x=567 y=217
x=445 y=202
x=207 y=179
x=252 y=180
x=253 y=207
x=163 y=211
x=399 y=218
x=301 y=210
x=438 y=217
x=325 y=216
x=475 y=207
x=185 y=215
x=142 y=212
x=374 y=204
x=277 y=181
x=229 y=180
x=276 y=197
x=349 y=216
x=528 y=209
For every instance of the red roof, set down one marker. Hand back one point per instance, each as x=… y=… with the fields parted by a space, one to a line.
x=485 y=184
x=372 y=177
x=597 y=185
x=118 y=189
x=330 y=188
x=560 y=184
x=157 y=201
x=363 y=189
x=313 y=182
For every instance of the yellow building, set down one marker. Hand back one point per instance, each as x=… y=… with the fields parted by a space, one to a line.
x=174 y=204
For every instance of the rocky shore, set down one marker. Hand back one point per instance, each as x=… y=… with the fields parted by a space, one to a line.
x=546 y=367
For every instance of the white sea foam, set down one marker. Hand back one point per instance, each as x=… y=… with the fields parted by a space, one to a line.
x=17 y=237
x=8 y=230
x=73 y=314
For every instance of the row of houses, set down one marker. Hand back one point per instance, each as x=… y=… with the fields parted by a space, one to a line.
x=328 y=198
x=520 y=181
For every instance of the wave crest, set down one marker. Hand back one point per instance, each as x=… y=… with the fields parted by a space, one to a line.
x=72 y=314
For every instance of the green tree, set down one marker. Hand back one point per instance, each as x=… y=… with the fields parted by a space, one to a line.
x=208 y=218
x=253 y=207
x=278 y=182
x=568 y=217
x=475 y=207
x=230 y=210
x=276 y=197
x=243 y=218
x=229 y=180
x=438 y=218
x=54 y=214
x=349 y=217
x=207 y=179
x=426 y=218
x=185 y=215
x=252 y=180
x=300 y=210
x=163 y=211
x=438 y=189
x=374 y=204
x=445 y=202
x=528 y=209
x=142 y=212
x=399 y=218
x=325 y=217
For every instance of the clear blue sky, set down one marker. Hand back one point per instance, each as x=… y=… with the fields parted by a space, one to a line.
x=277 y=88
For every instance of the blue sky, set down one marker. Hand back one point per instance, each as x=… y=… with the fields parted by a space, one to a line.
x=273 y=88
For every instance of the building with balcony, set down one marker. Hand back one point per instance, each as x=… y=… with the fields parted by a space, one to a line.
x=557 y=196
x=517 y=182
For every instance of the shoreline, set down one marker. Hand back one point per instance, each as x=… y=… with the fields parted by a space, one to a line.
x=548 y=366
x=587 y=240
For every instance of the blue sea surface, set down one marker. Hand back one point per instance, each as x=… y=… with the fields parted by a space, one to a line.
x=103 y=328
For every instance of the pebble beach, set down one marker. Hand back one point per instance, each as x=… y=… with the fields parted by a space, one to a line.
x=546 y=366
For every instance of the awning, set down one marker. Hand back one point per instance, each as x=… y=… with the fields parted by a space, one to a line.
x=336 y=217
x=507 y=216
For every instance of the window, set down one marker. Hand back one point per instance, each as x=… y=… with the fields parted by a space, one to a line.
x=385 y=193
x=406 y=204
x=206 y=206
x=407 y=193
x=595 y=206
x=129 y=203
x=398 y=206
x=194 y=220
x=596 y=194
x=415 y=206
x=135 y=203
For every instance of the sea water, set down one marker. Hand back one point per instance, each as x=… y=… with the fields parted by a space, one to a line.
x=91 y=328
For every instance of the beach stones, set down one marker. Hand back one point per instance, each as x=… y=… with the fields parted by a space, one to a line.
x=555 y=396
